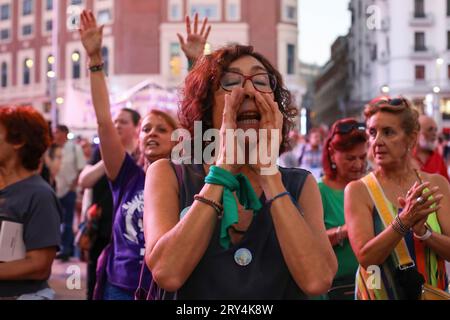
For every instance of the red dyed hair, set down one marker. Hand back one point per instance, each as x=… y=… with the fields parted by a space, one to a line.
x=27 y=127
x=204 y=80
x=341 y=142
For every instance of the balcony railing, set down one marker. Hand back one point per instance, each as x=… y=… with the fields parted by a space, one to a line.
x=421 y=19
x=423 y=52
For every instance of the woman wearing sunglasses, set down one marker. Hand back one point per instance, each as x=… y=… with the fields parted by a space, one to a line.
x=344 y=160
x=397 y=218
x=243 y=232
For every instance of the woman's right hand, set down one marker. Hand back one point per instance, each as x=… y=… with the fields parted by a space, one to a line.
x=91 y=35
x=414 y=212
x=233 y=102
x=194 y=45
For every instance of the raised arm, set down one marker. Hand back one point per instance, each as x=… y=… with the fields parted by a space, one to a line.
x=194 y=45
x=91 y=174
x=113 y=153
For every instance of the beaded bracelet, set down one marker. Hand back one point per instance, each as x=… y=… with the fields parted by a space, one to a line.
x=399 y=227
x=215 y=205
x=97 y=68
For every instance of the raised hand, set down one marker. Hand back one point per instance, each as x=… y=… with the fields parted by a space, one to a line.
x=91 y=34
x=415 y=214
x=194 y=46
x=232 y=103
x=272 y=121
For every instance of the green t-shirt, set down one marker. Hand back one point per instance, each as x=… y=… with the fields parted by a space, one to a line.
x=333 y=209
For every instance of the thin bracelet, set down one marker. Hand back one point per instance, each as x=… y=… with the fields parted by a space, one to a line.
x=398 y=227
x=339 y=239
x=399 y=222
x=283 y=194
x=215 y=205
x=97 y=68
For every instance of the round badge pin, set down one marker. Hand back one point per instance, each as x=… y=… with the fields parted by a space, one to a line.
x=243 y=257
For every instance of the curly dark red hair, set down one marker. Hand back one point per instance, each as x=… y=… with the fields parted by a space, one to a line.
x=27 y=127
x=340 y=142
x=204 y=80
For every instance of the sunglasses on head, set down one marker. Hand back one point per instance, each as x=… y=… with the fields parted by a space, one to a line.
x=396 y=102
x=347 y=127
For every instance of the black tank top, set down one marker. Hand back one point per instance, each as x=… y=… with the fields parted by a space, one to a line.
x=218 y=276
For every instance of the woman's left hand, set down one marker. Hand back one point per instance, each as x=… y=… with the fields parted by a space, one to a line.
x=269 y=142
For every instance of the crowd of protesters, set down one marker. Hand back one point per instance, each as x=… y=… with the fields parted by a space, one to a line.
x=362 y=194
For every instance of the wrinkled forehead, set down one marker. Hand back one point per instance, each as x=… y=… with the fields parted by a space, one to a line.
x=384 y=119
x=247 y=65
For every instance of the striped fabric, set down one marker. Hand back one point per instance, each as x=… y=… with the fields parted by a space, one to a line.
x=428 y=263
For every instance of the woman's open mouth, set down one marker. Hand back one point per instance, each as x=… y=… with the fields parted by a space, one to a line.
x=248 y=119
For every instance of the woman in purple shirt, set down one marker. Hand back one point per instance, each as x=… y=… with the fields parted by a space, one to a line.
x=120 y=262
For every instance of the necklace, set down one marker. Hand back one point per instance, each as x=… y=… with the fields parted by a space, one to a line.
x=401 y=189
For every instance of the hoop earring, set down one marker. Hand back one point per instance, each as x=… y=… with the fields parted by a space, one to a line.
x=333 y=166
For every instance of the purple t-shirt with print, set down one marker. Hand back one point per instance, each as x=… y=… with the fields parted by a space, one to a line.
x=126 y=258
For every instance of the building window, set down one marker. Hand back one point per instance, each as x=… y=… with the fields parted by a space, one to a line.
x=104 y=16
x=4 y=75
x=291 y=12
x=419 y=41
x=448 y=8
x=27 y=8
x=27 y=65
x=420 y=72
x=175 y=59
x=374 y=53
x=76 y=65
x=4 y=34
x=27 y=30
x=175 y=12
x=105 y=55
x=448 y=40
x=49 y=25
x=50 y=62
x=5 y=12
x=419 y=9
x=49 y=5
x=76 y=2
x=205 y=10
x=290 y=59
x=233 y=10
x=448 y=71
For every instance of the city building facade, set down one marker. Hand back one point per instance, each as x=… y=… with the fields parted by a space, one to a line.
x=332 y=88
x=402 y=47
x=140 y=44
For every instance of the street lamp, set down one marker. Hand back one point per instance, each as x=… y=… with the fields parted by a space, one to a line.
x=51 y=74
x=436 y=89
x=385 y=89
x=75 y=57
x=439 y=61
x=29 y=63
